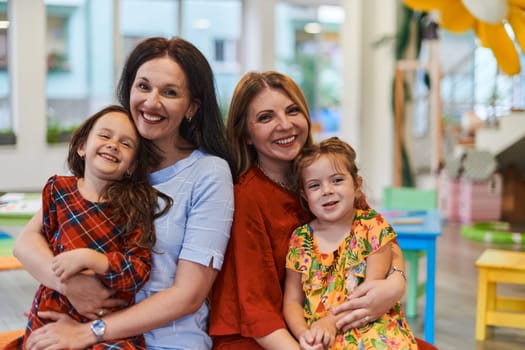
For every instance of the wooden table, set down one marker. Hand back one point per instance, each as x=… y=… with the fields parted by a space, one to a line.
x=418 y=230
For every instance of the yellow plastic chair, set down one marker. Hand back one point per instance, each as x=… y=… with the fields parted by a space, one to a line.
x=411 y=198
x=494 y=309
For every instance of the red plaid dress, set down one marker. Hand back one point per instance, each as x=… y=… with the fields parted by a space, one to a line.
x=69 y=222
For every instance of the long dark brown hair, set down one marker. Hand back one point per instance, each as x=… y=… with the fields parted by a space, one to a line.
x=133 y=201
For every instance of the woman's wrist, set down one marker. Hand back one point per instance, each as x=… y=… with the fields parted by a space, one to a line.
x=86 y=336
x=395 y=269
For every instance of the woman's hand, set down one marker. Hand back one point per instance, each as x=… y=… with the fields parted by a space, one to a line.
x=89 y=296
x=64 y=333
x=369 y=301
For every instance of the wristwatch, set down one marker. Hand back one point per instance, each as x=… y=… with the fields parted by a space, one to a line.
x=98 y=327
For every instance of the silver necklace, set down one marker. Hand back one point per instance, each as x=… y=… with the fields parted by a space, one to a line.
x=277 y=182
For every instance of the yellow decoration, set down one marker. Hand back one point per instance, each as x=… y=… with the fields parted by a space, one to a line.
x=456 y=17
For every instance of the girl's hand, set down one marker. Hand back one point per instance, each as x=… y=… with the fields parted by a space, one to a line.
x=69 y=263
x=307 y=341
x=324 y=330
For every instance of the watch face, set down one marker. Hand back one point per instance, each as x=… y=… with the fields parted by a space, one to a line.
x=98 y=327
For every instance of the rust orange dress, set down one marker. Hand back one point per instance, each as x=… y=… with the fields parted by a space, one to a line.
x=246 y=299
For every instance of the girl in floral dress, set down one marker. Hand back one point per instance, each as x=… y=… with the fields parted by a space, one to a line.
x=345 y=244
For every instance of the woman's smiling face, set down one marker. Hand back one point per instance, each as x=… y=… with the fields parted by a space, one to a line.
x=159 y=101
x=276 y=127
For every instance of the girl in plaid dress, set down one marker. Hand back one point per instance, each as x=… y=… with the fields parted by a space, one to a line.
x=100 y=219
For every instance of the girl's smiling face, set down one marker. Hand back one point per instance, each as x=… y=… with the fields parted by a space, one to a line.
x=110 y=148
x=330 y=190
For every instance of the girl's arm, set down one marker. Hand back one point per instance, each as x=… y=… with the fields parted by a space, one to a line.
x=126 y=269
x=67 y=264
x=293 y=301
x=33 y=251
x=87 y=294
x=378 y=264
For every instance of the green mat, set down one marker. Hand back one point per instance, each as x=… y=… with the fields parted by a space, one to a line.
x=492 y=232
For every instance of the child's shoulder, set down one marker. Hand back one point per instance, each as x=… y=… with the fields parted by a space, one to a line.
x=61 y=181
x=371 y=216
x=367 y=214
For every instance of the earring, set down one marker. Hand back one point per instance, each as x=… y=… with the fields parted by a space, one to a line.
x=189 y=119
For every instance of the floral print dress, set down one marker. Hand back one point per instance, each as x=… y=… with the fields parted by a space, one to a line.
x=328 y=278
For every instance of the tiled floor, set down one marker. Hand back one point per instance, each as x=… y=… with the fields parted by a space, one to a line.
x=456 y=290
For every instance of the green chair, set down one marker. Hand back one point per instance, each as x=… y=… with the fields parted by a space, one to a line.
x=410 y=198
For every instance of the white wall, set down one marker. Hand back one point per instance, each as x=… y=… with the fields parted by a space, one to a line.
x=28 y=164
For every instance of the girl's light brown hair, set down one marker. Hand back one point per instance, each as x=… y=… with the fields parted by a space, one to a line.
x=342 y=156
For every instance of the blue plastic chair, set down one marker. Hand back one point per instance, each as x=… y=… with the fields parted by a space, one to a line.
x=411 y=198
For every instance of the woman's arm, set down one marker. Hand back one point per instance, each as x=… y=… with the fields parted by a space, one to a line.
x=373 y=298
x=192 y=284
x=279 y=339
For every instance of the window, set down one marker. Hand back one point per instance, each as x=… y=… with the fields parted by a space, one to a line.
x=7 y=135
x=226 y=51
x=308 y=50
x=215 y=28
x=472 y=81
x=85 y=55
x=80 y=63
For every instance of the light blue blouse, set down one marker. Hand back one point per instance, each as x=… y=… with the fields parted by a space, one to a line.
x=197 y=229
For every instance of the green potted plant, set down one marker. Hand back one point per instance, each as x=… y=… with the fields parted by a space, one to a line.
x=7 y=137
